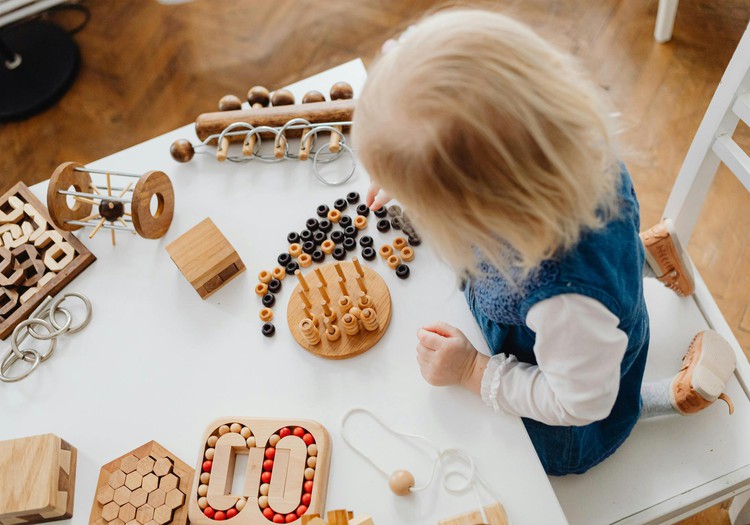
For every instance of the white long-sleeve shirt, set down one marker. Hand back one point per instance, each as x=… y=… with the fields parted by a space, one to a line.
x=578 y=350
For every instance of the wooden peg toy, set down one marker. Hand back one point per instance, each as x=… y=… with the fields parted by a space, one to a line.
x=323 y=293
x=327 y=312
x=148 y=483
x=334 y=216
x=310 y=315
x=304 y=298
x=386 y=251
x=302 y=281
x=360 y=272
x=261 y=289
x=394 y=261
x=332 y=331
x=230 y=103
x=349 y=324
x=342 y=286
x=344 y=304
x=361 y=284
x=258 y=97
x=266 y=314
x=407 y=254
x=369 y=319
x=37 y=475
x=321 y=279
x=399 y=243
x=304 y=260
x=279 y=273
x=309 y=331
x=364 y=301
x=295 y=249
x=339 y=271
x=328 y=246
x=360 y=222
x=206 y=258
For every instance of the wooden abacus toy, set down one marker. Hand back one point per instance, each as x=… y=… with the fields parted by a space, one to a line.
x=341 y=312
x=110 y=208
x=148 y=485
x=276 y=116
x=286 y=477
x=338 y=517
x=36 y=258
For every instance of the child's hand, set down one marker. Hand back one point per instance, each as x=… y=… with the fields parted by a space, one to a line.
x=376 y=197
x=446 y=357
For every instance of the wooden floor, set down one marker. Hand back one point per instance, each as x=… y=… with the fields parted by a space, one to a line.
x=149 y=68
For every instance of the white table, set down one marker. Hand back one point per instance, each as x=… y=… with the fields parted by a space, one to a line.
x=157 y=362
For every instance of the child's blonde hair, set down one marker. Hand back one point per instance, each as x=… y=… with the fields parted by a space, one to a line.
x=491 y=137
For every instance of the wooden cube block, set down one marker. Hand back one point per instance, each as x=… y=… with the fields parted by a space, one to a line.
x=205 y=257
x=495 y=516
x=37 y=479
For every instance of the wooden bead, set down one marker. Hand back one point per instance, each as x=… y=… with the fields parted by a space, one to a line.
x=266 y=314
x=235 y=427
x=401 y=482
x=312 y=450
x=386 y=251
x=394 y=261
x=304 y=260
x=355 y=312
x=313 y=96
x=312 y=461
x=205 y=478
x=399 y=243
x=328 y=246
x=263 y=502
x=240 y=504
x=334 y=215
x=282 y=97
x=182 y=150
x=279 y=273
x=369 y=320
x=341 y=90
x=250 y=442
x=261 y=289
x=344 y=304
x=295 y=249
x=202 y=503
x=210 y=453
x=202 y=490
x=265 y=276
x=223 y=429
x=264 y=488
x=407 y=254
x=309 y=473
x=246 y=432
x=230 y=103
x=332 y=331
x=274 y=440
x=360 y=222
x=211 y=442
x=258 y=96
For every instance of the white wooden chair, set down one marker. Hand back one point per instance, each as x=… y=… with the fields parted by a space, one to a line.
x=673 y=467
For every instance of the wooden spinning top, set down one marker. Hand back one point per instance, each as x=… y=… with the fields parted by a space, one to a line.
x=182 y=150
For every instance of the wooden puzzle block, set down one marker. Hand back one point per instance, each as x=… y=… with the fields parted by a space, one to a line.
x=147 y=485
x=36 y=258
x=206 y=258
x=495 y=516
x=286 y=477
x=37 y=480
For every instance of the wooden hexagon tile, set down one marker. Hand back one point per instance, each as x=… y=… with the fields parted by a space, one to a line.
x=147 y=486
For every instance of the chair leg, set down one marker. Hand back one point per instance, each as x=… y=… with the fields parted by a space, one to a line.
x=739 y=511
x=665 y=16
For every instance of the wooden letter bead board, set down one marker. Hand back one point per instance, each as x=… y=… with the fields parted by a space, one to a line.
x=37 y=480
x=36 y=258
x=286 y=477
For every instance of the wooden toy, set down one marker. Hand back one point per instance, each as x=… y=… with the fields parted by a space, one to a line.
x=337 y=517
x=37 y=477
x=386 y=251
x=138 y=218
x=495 y=514
x=36 y=258
x=206 y=258
x=335 y=284
x=148 y=485
x=407 y=254
x=286 y=477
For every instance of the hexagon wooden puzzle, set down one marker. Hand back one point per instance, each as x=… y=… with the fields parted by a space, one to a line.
x=147 y=486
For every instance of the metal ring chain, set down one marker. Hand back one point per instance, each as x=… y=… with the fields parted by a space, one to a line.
x=46 y=317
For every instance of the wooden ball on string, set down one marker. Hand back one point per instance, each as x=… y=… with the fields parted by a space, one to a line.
x=401 y=482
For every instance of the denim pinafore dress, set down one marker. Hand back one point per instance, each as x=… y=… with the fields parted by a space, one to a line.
x=606 y=265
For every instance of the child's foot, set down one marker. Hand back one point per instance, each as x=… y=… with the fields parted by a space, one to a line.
x=666 y=257
x=706 y=368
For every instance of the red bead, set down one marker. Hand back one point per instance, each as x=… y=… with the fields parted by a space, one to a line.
x=291 y=517
x=306 y=498
x=298 y=431
x=308 y=439
x=284 y=432
x=278 y=518
x=265 y=477
x=207 y=466
x=220 y=516
x=231 y=513
x=268 y=464
x=209 y=512
x=308 y=486
x=301 y=510
x=268 y=513
x=270 y=453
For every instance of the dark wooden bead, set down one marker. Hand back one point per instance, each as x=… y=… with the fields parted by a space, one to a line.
x=319 y=237
x=341 y=90
x=292 y=267
x=415 y=240
x=363 y=210
x=308 y=247
x=340 y=204
x=396 y=223
x=337 y=236
x=292 y=237
x=351 y=231
x=313 y=96
x=384 y=225
x=345 y=221
x=394 y=210
x=284 y=259
x=325 y=225
x=305 y=235
x=111 y=210
x=366 y=241
x=230 y=103
x=312 y=224
x=258 y=95
x=268 y=329
x=402 y=271
x=382 y=212
x=269 y=300
x=339 y=253
x=318 y=256
x=368 y=253
x=282 y=97
x=322 y=211
x=274 y=285
x=352 y=197
x=349 y=244
x=182 y=150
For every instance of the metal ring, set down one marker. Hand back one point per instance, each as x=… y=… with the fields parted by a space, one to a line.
x=293 y=122
x=337 y=182
x=59 y=330
x=14 y=340
x=269 y=158
x=56 y=304
x=11 y=358
x=228 y=132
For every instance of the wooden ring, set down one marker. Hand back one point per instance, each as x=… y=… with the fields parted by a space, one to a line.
x=394 y=261
x=148 y=225
x=261 y=289
x=386 y=251
x=360 y=222
x=328 y=246
x=295 y=249
x=266 y=314
x=63 y=178
x=334 y=215
x=399 y=243
x=279 y=273
x=265 y=276
x=407 y=254
x=305 y=260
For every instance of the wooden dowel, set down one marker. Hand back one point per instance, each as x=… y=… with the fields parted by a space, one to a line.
x=305 y=300
x=223 y=150
x=113 y=237
x=324 y=294
x=361 y=284
x=97 y=228
x=109 y=185
x=342 y=286
x=94 y=189
x=249 y=145
x=326 y=309
x=86 y=201
x=126 y=189
x=358 y=267
x=320 y=277
x=302 y=280
x=339 y=271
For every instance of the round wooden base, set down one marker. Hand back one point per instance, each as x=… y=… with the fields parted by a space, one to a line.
x=346 y=345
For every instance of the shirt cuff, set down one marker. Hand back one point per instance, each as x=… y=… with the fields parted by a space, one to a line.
x=492 y=376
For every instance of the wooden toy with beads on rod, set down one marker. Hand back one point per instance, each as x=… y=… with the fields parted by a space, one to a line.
x=110 y=207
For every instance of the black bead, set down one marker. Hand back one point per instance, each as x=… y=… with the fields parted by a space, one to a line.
x=319 y=237
x=339 y=253
x=318 y=256
x=396 y=223
x=395 y=210
x=292 y=237
x=292 y=267
x=402 y=271
x=312 y=224
x=284 y=259
x=384 y=225
x=337 y=237
x=368 y=253
x=366 y=241
x=268 y=329
x=308 y=247
x=345 y=221
x=268 y=300
x=340 y=204
x=352 y=197
x=415 y=240
x=305 y=235
x=349 y=244
x=382 y=212
x=325 y=225
x=274 y=285
x=351 y=231
x=363 y=210
x=322 y=211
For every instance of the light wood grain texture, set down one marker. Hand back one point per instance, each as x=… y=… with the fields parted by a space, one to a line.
x=347 y=345
x=66 y=177
x=161 y=490
x=37 y=479
x=152 y=225
x=495 y=516
x=286 y=491
x=206 y=258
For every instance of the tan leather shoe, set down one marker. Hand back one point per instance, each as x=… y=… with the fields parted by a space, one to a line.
x=666 y=257
x=706 y=368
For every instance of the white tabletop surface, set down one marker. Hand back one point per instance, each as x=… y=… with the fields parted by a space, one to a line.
x=157 y=362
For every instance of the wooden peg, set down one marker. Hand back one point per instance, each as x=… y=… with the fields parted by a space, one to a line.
x=305 y=300
x=340 y=271
x=330 y=314
x=339 y=91
x=248 y=146
x=302 y=280
x=342 y=287
x=223 y=150
x=361 y=284
x=324 y=294
x=358 y=267
x=320 y=277
x=305 y=145
x=332 y=331
x=344 y=304
x=310 y=315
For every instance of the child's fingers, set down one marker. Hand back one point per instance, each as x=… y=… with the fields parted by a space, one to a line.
x=372 y=191
x=381 y=199
x=430 y=340
x=443 y=329
x=424 y=352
